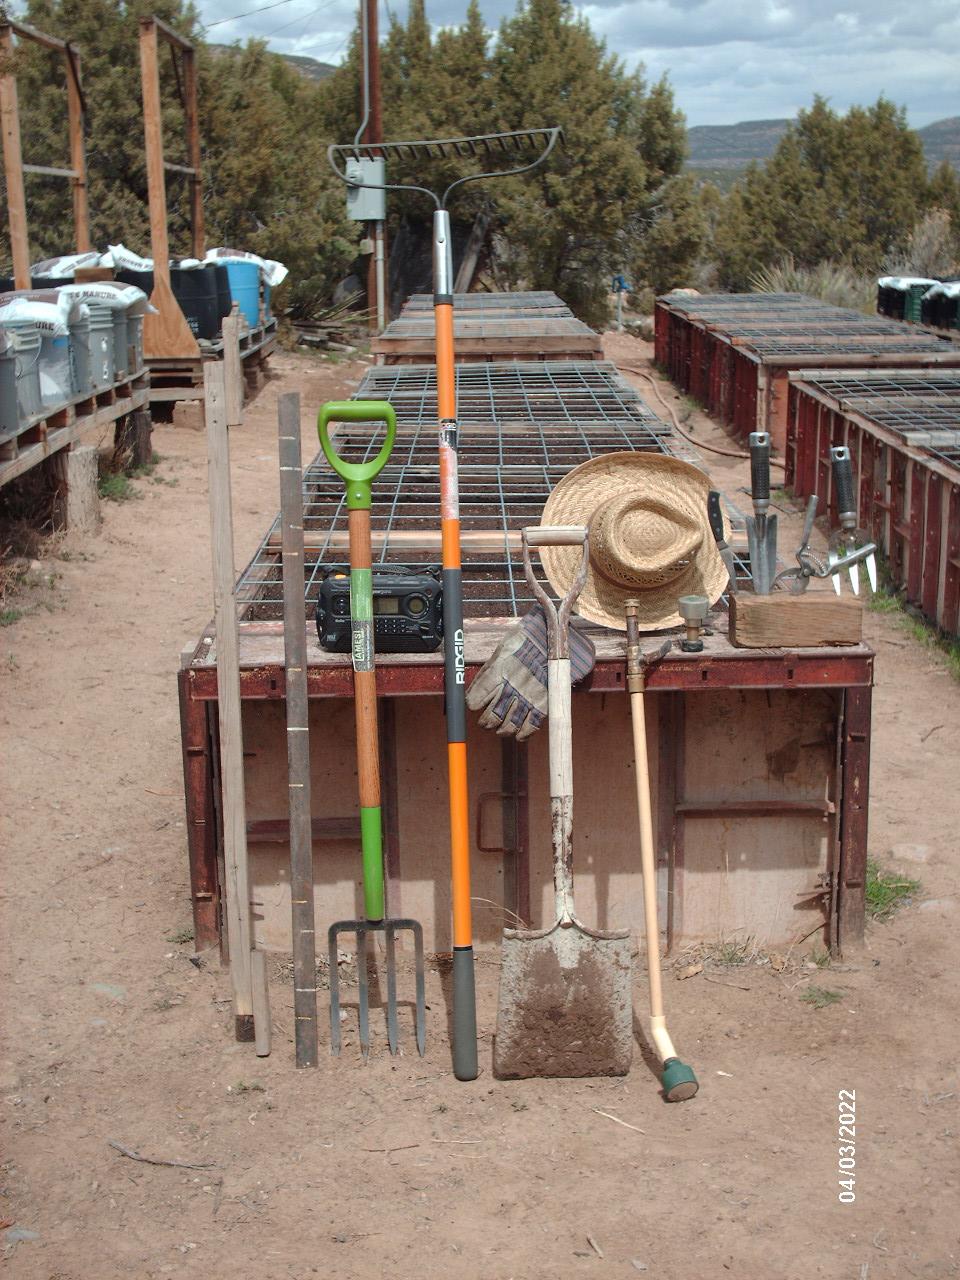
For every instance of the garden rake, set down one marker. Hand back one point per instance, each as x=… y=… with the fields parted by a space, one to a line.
x=358 y=478
x=504 y=151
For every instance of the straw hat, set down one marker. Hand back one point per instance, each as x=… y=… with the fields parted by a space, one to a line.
x=650 y=539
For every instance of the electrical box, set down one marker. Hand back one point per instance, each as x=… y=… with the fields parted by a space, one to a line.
x=363 y=203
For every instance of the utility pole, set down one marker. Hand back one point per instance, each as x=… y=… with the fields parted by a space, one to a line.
x=376 y=231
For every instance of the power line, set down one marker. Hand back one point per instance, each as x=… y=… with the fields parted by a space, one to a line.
x=249 y=13
x=293 y=21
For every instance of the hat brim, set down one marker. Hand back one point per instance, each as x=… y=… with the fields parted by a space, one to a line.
x=583 y=490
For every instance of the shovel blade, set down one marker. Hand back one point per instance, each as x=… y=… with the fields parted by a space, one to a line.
x=565 y=1005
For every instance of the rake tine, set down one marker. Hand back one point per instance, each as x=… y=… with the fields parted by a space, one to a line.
x=389 y=933
x=334 y=991
x=364 y=993
x=872 y=572
x=854 y=573
x=421 y=988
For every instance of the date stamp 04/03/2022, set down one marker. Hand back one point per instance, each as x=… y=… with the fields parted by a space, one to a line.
x=847 y=1145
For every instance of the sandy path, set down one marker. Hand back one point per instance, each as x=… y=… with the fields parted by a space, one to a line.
x=111 y=1033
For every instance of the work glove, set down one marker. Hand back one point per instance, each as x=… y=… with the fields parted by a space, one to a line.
x=511 y=686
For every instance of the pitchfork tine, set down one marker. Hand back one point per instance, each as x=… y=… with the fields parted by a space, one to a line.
x=390 y=939
x=334 y=977
x=364 y=996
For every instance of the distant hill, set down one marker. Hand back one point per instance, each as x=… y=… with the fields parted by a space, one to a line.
x=309 y=67
x=941 y=141
x=733 y=146
x=720 y=152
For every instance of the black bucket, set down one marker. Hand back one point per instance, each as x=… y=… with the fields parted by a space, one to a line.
x=196 y=291
x=224 y=298
x=142 y=279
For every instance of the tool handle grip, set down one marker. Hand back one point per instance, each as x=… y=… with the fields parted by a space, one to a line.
x=760 y=465
x=556 y=535
x=843 y=481
x=558 y=620
x=809 y=519
x=358 y=475
x=715 y=516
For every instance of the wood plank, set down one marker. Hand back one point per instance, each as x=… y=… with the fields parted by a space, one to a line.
x=237 y=896
x=783 y=621
x=408 y=539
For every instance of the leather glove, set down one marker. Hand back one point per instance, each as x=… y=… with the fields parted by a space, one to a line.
x=511 y=687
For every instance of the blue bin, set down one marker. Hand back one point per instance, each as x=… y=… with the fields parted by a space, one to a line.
x=245 y=289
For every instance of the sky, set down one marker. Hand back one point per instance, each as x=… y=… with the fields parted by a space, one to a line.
x=727 y=60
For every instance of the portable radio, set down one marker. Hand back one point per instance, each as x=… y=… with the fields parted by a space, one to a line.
x=407 y=609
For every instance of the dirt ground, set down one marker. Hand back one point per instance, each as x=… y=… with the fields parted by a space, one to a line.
x=395 y=1170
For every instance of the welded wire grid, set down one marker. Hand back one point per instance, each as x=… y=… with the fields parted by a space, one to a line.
x=777 y=325
x=851 y=385
x=533 y=301
x=477 y=324
x=520 y=434
x=509 y=394
x=922 y=407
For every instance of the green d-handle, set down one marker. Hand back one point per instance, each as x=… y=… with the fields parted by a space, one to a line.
x=358 y=475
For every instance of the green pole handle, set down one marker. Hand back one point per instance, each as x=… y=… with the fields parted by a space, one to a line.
x=358 y=475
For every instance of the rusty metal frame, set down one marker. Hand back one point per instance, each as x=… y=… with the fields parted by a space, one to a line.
x=850 y=674
x=14 y=166
x=733 y=352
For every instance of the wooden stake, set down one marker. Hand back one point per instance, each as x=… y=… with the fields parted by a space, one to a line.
x=233 y=368
x=78 y=157
x=237 y=895
x=165 y=334
x=193 y=151
x=13 y=164
x=298 y=735
x=260 y=985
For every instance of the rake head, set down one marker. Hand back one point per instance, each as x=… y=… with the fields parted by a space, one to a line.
x=389 y=929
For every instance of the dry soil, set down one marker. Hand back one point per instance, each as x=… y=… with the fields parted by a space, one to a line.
x=112 y=1034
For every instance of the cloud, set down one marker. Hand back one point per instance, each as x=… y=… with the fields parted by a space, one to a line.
x=727 y=60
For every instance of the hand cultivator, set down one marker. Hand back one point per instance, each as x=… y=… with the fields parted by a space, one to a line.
x=810 y=565
x=358 y=478
x=848 y=539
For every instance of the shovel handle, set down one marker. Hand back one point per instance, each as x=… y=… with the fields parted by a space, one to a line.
x=558 y=642
x=358 y=475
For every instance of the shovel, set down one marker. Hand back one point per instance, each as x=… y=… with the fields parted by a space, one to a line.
x=358 y=478
x=761 y=527
x=565 y=1000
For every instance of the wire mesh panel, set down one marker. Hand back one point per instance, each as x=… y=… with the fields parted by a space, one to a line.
x=521 y=434
x=527 y=392
x=534 y=301
x=478 y=324
x=863 y=384
x=921 y=406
